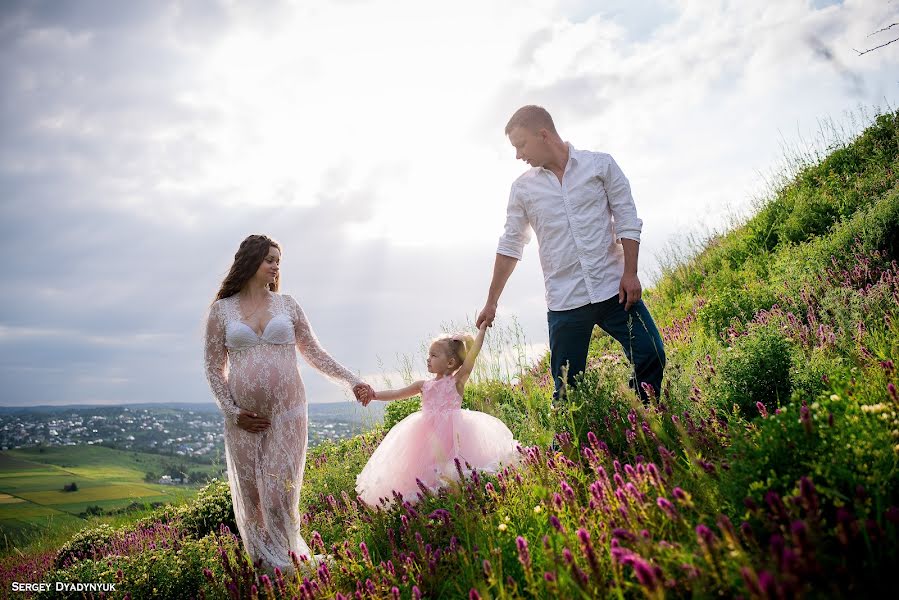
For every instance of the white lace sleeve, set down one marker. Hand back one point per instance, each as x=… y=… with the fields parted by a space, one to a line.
x=312 y=351
x=216 y=363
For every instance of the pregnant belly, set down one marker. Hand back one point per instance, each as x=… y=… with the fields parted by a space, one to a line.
x=266 y=387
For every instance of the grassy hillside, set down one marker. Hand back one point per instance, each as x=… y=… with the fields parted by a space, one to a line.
x=766 y=468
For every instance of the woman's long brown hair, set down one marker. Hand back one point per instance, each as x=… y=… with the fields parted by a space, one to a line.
x=247 y=259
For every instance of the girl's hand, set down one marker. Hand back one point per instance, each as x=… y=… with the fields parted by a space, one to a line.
x=483 y=326
x=364 y=393
x=252 y=422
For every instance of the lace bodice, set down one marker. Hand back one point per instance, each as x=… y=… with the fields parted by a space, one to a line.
x=439 y=396
x=227 y=334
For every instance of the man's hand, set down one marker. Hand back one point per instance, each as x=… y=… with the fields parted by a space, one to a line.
x=252 y=422
x=630 y=290
x=487 y=315
x=364 y=393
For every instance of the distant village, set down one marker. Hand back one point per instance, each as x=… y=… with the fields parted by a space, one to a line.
x=187 y=433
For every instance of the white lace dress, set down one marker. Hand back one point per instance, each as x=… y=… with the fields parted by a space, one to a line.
x=260 y=374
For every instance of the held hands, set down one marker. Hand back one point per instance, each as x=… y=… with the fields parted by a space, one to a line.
x=487 y=315
x=252 y=422
x=364 y=393
x=630 y=290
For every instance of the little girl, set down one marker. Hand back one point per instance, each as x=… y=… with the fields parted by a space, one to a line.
x=425 y=444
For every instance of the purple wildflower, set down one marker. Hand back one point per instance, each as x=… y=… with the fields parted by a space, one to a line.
x=623 y=534
x=705 y=536
x=805 y=417
x=645 y=574
x=524 y=557
x=556 y=524
x=667 y=507
x=566 y=489
x=587 y=548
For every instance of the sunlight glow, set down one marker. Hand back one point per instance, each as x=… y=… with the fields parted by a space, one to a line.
x=326 y=106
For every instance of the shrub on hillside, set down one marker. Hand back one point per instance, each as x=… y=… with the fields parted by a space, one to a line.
x=488 y=396
x=524 y=407
x=812 y=214
x=208 y=510
x=200 y=515
x=733 y=305
x=197 y=518
x=809 y=373
x=174 y=573
x=870 y=233
x=398 y=410
x=845 y=441
x=755 y=369
x=83 y=544
x=331 y=469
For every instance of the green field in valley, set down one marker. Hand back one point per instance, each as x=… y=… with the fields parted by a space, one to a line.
x=34 y=504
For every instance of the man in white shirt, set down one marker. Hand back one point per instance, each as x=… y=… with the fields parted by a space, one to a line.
x=580 y=206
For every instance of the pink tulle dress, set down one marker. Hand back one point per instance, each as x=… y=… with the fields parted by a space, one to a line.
x=425 y=445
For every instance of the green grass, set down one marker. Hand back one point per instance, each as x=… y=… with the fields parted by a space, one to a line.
x=11 y=464
x=110 y=491
x=99 y=462
x=44 y=481
x=27 y=510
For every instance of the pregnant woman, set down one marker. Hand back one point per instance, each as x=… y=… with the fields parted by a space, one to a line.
x=252 y=337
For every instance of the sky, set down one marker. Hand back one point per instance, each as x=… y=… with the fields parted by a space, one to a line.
x=141 y=141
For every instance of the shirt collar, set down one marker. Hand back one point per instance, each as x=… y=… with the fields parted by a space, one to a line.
x=572 y=156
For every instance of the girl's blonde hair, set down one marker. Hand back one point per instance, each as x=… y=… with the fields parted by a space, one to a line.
x=457 y=345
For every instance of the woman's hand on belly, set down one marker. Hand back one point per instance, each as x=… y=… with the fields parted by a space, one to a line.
x=252 y=422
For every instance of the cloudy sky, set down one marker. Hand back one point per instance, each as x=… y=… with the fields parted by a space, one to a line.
x=141 y=141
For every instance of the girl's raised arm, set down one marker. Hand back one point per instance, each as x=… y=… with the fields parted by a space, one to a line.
x=400 y=394
x=465 y=370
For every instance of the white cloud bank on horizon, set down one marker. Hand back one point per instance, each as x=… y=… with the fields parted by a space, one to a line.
x=143 y=141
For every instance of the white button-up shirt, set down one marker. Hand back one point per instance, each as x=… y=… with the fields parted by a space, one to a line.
x=579 y=225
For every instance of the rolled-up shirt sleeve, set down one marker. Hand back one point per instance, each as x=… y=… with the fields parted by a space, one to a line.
x=621 y=202
x=518 y=229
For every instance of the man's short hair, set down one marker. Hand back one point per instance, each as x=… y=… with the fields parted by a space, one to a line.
x=533 y=118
